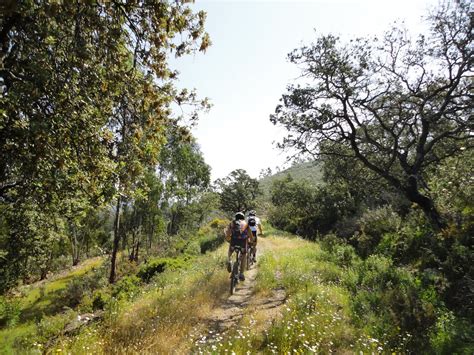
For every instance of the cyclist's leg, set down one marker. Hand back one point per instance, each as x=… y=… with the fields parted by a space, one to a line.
x=229 y=255
x=254 y=249
x=243 y=259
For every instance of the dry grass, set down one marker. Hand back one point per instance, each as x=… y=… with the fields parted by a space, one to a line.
x=161 y=319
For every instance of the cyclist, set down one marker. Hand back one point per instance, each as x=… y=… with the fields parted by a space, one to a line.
x=256 y=227
x=238 y=233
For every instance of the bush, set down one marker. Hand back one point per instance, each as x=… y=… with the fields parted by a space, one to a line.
x=210 y=243
x=126 y=288
x=158 y=265
x=308 y=210
x=451 y=334
x=44 y=334
x=218 y=224
x=347 y=226
x=455 y=263
x=338 y=251
x=391 y=297
x=10 y=311
x=81 y=286
x=373 y=225
x=192 y=248
x=100 y=299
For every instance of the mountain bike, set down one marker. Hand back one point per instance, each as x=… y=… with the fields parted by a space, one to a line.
x=234 y=275
x=250 y=256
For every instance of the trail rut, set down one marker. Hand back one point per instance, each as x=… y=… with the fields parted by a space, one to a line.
x=245 y=301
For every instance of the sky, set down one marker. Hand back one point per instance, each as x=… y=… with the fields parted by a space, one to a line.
x=245 y=71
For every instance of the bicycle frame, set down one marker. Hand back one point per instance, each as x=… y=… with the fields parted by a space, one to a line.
x=250 y=255
x=234 y=276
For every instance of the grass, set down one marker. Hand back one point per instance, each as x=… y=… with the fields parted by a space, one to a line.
x=269 y=230
x=39 y=301
x=40 y=298
x=160 y=315
x=169 y=314
x=10 y=335
x=317 y=316
x=161 y=319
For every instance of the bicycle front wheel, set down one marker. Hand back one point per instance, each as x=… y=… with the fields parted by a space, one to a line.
x=234 y=277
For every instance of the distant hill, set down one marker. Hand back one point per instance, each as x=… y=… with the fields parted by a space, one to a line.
x=309 y=171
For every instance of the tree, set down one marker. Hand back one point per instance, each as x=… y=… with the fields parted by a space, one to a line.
x=365 y=186
x=238 y=191
x=186 y=177
x=85 y=96
x=142 y=110
x=397 y=105
x=302 y=208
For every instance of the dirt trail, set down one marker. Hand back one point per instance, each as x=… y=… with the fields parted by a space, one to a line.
x=245 y=302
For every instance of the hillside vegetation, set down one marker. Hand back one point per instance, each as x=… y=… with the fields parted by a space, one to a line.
x=306 y=171
x=330 y=295
x=111 y=231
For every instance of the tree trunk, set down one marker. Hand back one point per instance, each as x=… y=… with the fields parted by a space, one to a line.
x=426 y=204
x=75 y=247
x=150 y=236
x=87 y=248
x=116 y=240
x=136 y=251
x=44 y=274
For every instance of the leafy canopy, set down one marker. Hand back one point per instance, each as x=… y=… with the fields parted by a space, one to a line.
x=238 y=192
x=398 y=105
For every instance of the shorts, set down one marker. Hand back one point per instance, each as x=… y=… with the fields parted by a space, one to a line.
x=254 y=239
x=239 y=242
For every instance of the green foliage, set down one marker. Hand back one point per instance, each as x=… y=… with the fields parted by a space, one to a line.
x=373 y=225
x=210 y=243
x=126 y=288
x=73 y=135
x=338 y=251
x=100 y=298
x=238 y=192
x=187 y=181
x=159 y=265
x=389 y=297
x=354 y=108
x=43 y=334
x=305 y=209
x=452 y=186
x=452 y=334
x=211 y=237
x=10 y=310
x=79 y=287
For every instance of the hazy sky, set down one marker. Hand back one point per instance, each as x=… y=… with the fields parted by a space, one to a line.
x=245 y=71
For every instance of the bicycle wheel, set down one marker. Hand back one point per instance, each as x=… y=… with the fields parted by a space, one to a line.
x=249 y=259
x=234 y=276
x=251 y=254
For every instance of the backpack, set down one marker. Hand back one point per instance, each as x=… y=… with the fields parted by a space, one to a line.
x=237 y=229
x=252 y=221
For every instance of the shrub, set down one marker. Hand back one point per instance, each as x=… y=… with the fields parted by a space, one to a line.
x=193 y=247
x=391 y=297
x=218 y=223
x=9 y=311
x=338 y=251
x=347 y=226
x=210 y=243
x=344 y=255
x=452 y=334
x=80 y=286
x=126 y=288
x=373 y=225
x=100 y=299
x=158 y=265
